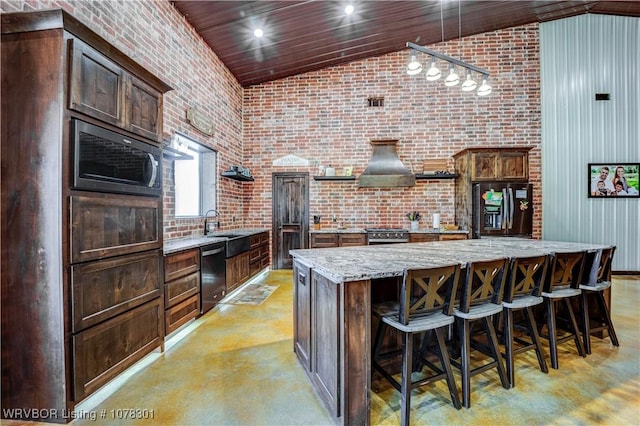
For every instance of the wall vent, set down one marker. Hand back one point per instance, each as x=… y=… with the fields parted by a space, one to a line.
x=377 y=102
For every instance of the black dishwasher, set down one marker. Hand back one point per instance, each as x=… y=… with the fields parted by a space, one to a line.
x=213 y=275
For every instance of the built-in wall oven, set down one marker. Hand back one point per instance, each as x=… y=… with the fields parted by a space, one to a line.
x=111 y=162
x=387 y=235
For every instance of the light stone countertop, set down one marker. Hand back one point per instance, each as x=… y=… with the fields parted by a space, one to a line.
x=180 y=244
x=343 y=264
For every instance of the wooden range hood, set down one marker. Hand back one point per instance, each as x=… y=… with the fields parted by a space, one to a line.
x=385 y=170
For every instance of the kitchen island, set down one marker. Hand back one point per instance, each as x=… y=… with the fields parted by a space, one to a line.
x=333 y=290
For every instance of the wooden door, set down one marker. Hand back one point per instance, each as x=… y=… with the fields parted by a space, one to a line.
x=290 y=218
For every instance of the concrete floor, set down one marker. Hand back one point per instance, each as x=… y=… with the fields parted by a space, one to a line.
x=236 y=366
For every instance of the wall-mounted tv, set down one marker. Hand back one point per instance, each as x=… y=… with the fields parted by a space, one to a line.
x=614 y=180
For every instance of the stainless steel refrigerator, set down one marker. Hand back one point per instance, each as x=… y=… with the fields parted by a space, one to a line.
x=502 y=209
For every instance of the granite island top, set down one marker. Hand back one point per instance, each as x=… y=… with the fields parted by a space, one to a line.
x=343 y=264
x=180 y=244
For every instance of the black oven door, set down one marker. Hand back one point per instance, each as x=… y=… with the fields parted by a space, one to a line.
x=110 y=162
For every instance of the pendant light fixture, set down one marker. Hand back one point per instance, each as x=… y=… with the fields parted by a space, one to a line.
x=469 y=83
x=484 y=88
x=434 y=72
x=453 y=78
x=413 y=67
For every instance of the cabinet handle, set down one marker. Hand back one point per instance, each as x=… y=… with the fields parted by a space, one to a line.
x=302 y=279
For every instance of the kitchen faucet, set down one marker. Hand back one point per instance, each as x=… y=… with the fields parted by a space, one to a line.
x=206 y=216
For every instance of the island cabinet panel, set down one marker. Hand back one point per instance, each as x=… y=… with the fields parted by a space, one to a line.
x=352 y=239
x=104 y=351
x=325 y=333
x=103 y=289
x=97 y=86
x=302 y=313
x=109 y=225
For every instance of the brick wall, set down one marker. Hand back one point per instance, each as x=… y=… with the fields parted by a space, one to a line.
x=323 y=117
x=156 y=36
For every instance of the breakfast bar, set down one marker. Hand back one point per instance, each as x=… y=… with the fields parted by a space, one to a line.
x=333 y=290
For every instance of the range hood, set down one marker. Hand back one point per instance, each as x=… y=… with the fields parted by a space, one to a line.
x=385 y=169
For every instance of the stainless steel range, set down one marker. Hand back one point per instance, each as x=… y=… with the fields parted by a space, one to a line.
x=387 y=235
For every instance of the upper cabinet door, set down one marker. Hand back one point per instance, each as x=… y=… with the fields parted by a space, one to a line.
x=484 y=166
x=96 y=85
x=515 y=165
x=143 y=109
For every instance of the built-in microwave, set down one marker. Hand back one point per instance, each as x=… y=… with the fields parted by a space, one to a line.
x=107 y=161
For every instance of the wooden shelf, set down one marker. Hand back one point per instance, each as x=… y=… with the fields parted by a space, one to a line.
x=334 y=178
x=422 y=176
x=237 y=176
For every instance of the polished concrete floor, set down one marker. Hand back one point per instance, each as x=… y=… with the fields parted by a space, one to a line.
x=236 y=366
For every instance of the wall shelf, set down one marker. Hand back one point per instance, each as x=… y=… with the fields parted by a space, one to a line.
x=237 y=176
x=334 y=178
x=422 y=176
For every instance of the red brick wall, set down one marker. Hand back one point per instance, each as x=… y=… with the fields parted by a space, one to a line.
x=156 y=36
x=323 y=117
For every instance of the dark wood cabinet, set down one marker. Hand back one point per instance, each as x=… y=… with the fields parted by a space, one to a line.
x=102 y=352
x=181 y=288
x=474 y=165
x=237 y=270
x=103 y=289
x=81 y=271
x=449 y=237
x=422 y=238
x=493 y=164
x=244 y=266
x=337 y=239
x=302 y=313
x=112 y=225
x=345 y=240
x=100 y=88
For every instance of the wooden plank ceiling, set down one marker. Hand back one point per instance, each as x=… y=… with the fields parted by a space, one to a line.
x=302 y=36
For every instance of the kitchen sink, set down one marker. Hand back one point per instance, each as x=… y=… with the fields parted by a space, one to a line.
x=235 y=243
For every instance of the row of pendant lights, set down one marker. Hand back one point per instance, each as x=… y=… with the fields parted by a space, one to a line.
x=414 y=67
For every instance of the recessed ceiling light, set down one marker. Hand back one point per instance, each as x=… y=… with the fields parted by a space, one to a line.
x=349 y=9
x=258 y=32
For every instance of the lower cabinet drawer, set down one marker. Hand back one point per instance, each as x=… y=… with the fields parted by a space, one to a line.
x=178 y=315
x=105 y=288
x=182 y=288
x=102 y=352
x=447 y=237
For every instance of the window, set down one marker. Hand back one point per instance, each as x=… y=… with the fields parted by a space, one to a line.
x=194 y=177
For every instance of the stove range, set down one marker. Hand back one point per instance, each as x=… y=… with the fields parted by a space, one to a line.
x=387 y=235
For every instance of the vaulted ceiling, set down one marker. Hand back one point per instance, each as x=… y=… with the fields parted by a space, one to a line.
x=302 y=36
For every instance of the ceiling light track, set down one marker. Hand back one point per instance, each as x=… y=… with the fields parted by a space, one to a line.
x=452 y=61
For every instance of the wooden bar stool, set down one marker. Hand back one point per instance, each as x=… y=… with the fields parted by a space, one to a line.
x=561 y=286
x=522 y=293
x=480 y=299
x=426 y=304
x=595 y=285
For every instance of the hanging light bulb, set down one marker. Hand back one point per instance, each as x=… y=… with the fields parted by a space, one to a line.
x=434 y=72
x=469 y=83
x=413 y=67
x=484 y=88
x=453 y=78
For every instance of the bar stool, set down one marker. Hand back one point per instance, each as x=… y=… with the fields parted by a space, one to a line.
x=596 y=284
x=481 y=298
x=426 y=304
x=522 y=293
x=562 y=285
